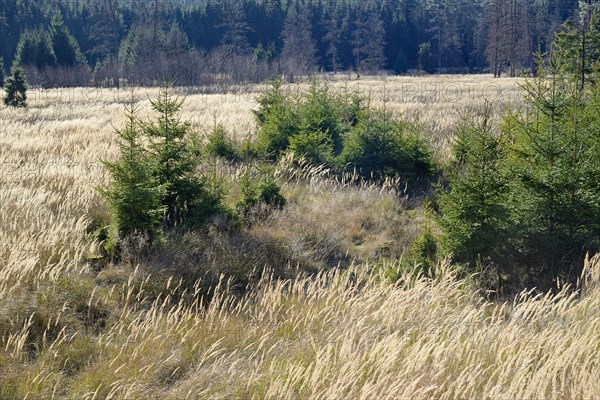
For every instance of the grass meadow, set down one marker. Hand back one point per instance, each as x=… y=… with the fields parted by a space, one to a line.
x=147 y=327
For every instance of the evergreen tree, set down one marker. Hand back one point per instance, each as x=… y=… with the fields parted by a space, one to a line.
x=320 y=115
x=16 y=89
x=135 y=194
x=368 y=41
x=277 y=120
x=335 y=27
x=35 y=49
x=176 y=42
x=556 y=166
x=188 y=199
x=235 y=29
x=65 y=47
x=425 y=57
x=299 y=54
x=106 y=29
x=379 y=146
x=475 y=211
x=577 y=46
x=138 y=45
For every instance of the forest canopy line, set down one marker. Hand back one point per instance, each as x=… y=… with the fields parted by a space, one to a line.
x=67 y=42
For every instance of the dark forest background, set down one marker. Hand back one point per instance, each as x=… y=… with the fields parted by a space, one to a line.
x=106 y=42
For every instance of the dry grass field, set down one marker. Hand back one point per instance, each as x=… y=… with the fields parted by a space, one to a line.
x=128 y=330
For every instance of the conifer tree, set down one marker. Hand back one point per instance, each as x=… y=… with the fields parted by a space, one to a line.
x=134 y=195
x=188 y=199
x=35 y=49
x=368 y=41
x=16 y=89
x=235 y=29
x=556 y=166
x=577 y=46
x=65 y=47
x=277 y=120
x=335 y=29
x=475 y=209
x=299 y=53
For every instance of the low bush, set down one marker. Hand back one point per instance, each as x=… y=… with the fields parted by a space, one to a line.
x=219 y=144
x=380 y=146
x=341 y=132
x=257 y=193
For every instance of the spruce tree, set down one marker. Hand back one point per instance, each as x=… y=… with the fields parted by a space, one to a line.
x=380 y=146
x=189 y=199
x=299 y=52
x=577 y=46
x=135 y=196
x=475 y=211
x=65 y=47
x=16 y=89
x=35 y=49
x=556 y=166
x=277 y=120
x=368 y=42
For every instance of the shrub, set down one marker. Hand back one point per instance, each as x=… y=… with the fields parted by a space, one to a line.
x=260 y=192
x=379 y=146
x=220 y=145
x=16 y=89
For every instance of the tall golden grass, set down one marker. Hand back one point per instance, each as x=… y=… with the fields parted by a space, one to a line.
x=68 y=331
x=339 y=335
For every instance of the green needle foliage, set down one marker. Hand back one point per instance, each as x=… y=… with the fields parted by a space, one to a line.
x=380 y=146
x=16 y=89
x=475 y=209
x=156 y=183
x=135 y=195
x=262 y=191
x=277 y=121
x=341 y=132
x=65 y=47
x=219 y=144
x=189 y=199
x=527 y=200
x=556 y=163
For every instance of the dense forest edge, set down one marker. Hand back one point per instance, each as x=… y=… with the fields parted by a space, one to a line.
x=107 y=42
